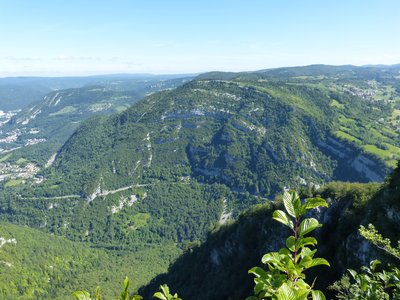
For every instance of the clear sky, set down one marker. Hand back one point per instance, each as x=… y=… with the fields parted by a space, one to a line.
x=83 y=37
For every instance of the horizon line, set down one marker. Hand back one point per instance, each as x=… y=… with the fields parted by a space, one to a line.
x=149 y=74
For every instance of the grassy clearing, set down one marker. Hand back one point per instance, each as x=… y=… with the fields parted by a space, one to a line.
x=5 y=157
x=390 y=156
x=346 y=121
x=139 y=220
x=21 y=161
x=377 y=151
x=336 y=104
x=288 y=97
x=116 y=98
x=345 y=129
x=377 y=135
x=346 y=136
x=389 y=133
x=394 y=149
x=14 y=182
x=64 y=110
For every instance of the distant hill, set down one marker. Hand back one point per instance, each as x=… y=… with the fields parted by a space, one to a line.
x=18 y=92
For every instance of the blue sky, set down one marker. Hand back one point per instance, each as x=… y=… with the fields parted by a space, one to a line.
x=83 y=37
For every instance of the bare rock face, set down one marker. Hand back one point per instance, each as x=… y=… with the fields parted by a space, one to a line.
x=366 y=167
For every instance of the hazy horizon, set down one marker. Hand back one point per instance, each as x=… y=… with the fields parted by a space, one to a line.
x=188 y=74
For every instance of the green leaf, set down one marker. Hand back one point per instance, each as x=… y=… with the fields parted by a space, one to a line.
x=306 y=241
x=305 y=251
x=296 y=204
x=319 y=261
x=301 y=284
x=259 y=287
x=374 y=263
x=97 y=295
x=284 y=251
x=311 y=203
x=160 y=296
x=165 y=289
x=308 y=225
x=309 y=262
x=318 y=295
x=289 y=292
x=125 y=294
x=81 y=295
x=288 y=199
x=165 y=294
x=258 y=272
x=286 y=292
x=126 y=283
x=306 y=261
x=290 y=243
x=272 y=257
x=353 y=273
x=282 y=217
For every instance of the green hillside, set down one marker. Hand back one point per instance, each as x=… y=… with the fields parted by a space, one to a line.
x=35 y=133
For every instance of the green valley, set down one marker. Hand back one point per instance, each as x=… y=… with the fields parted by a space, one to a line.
x=138 y=186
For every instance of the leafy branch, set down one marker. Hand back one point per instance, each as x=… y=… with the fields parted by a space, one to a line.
x=371 y=284
x=375 y=238
x=285 y=278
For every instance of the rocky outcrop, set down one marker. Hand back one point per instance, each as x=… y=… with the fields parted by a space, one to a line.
x=348 y=156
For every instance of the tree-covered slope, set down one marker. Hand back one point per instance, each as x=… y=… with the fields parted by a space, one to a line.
x=218 y=267
x=39 y=130
x=35 y=265
x=31 y=137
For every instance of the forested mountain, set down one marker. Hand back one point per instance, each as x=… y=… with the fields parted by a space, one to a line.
x=30 y=138
x=220 y=128
x=181 y=162
x=218 y=267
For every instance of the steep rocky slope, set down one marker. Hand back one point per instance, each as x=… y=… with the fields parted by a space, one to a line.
x=218 y=267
